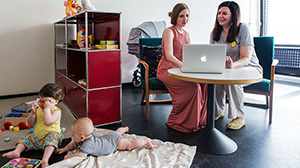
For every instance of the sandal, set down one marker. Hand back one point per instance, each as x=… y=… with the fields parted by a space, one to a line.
x=221 y=115
x=235 y=124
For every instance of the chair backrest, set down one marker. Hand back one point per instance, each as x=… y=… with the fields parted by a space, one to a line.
x=150 y=52
x=264 y=48
x=148 y=42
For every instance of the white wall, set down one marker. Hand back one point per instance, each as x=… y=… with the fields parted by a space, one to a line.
x=26 y=46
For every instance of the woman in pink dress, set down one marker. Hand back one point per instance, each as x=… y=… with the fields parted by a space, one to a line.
x=189 y=99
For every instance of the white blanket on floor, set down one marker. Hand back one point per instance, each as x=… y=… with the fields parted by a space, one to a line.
x=164 y=154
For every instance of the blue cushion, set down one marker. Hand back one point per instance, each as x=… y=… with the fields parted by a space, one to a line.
x=264 y=85
x=154 y=84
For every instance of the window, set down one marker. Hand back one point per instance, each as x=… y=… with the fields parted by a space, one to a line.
x=282 y=21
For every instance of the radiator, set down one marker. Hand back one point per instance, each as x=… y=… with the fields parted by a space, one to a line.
x=288 y=56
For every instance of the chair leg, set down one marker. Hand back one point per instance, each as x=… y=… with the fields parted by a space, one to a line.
x=143 y=97
x=147 y=105
x=267 y=101
x=271 y=108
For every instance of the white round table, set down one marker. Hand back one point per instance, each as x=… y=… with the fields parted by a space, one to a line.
x=210 y=140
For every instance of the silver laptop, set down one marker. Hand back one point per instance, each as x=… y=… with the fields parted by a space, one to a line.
x=203 y=58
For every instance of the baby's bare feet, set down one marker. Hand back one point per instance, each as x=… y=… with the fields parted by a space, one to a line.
x=122 y=130
x=126 y=129
x=44 y=163
x=149 y=144
x=12 y=154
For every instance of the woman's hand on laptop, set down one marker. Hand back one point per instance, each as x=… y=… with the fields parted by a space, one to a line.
x=229 y=62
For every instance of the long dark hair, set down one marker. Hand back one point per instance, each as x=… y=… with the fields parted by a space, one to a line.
x=175 y=12
x=235 y=22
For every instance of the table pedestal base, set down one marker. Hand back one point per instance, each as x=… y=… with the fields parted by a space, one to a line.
x=211 y=141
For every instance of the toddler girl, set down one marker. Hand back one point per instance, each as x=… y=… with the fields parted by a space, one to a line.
x=46 y=118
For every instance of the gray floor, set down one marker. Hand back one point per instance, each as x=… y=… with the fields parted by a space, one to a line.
x=260 y=145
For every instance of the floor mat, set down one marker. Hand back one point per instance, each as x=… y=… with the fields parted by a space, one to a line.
x=164 y=154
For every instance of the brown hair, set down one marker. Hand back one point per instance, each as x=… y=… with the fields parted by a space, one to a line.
x=175 y=12
x=235 y=22
x=52 y=90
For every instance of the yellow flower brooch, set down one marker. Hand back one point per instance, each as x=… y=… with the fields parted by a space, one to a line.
x=233 y=44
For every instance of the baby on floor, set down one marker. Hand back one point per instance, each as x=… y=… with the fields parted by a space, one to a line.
x=83 y=137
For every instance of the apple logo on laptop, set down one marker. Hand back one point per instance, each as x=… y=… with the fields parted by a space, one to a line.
x=203 y=58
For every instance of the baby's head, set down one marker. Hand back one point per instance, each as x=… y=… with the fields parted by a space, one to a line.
x=82 y=128
x=50 y=91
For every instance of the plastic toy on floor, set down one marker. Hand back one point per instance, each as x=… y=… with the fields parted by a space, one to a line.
x=15 y=119
x=22 y=162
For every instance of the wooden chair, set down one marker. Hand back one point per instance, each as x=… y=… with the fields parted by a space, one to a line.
x=150 y=85
x=264 y=48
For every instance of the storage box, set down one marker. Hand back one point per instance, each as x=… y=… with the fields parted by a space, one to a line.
x=24 y=107
x=107 y=47
x=108 y=42
x=16 y=118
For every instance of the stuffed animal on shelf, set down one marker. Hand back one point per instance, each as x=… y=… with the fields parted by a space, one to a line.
x=86 y=5
x=71 y=7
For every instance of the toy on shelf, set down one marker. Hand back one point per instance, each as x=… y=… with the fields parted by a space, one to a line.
x=82 y=82
x=91 y=40
x=107 y=45
x=60 y=44
x=79 y=8
x=73 y=44
x=81 y=41
x=86 y=5
x=23 y=162
x=108 y=42
x=71 y=7
x=81 y=38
